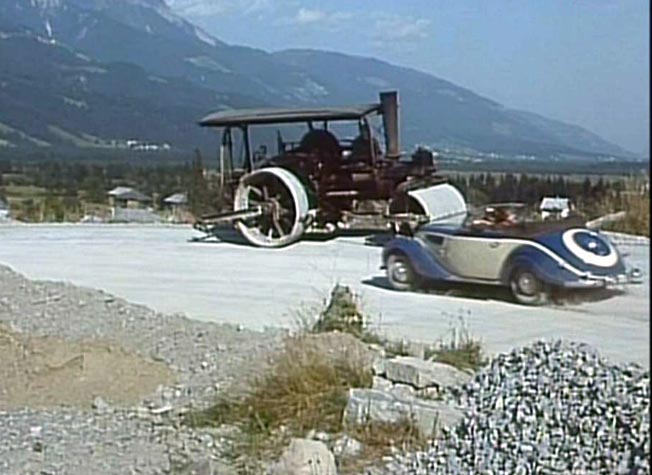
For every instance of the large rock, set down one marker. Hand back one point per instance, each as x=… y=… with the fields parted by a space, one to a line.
x=337 y=346
x=381 y=383
x=372 y=405
x=305 y=457
x=422 y=374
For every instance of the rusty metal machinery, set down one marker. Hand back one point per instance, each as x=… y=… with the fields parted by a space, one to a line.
x=322 y=183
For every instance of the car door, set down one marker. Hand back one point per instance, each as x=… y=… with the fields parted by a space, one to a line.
x=476 y=257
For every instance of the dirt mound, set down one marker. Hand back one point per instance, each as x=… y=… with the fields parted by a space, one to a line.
x=40 y=372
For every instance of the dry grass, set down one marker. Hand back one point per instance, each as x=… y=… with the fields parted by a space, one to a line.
x=461 y=351
x=343 y=314
x=304 y=389
x=380 y=440
x=635 y=201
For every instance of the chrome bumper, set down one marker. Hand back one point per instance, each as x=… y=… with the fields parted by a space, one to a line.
x=632 y=276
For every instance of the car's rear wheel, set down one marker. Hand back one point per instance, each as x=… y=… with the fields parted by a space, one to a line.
x=400 y=273
x=527 y=288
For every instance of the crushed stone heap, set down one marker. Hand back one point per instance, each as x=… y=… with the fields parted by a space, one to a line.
x=553 y=407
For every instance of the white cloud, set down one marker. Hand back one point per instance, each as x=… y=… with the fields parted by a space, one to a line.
x=378 y=29
x=381 y=28
x=399 y=28
x=306 y=16
x=318 y=18
x=200 y=8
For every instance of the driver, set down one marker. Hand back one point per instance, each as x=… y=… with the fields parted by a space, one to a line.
x=496 y=217
x=505 y=217
x=489 y=218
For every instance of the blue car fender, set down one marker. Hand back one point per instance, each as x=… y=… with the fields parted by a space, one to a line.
x=546 y=268
x=421 y=261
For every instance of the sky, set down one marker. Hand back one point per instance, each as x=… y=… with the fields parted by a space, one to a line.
x=581 y=61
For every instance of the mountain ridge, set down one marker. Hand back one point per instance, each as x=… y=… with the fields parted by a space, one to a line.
x=149 y=35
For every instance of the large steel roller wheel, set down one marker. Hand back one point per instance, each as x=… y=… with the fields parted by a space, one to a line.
x=283 y=205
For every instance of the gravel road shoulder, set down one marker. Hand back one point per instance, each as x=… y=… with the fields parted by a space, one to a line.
x=93 y=383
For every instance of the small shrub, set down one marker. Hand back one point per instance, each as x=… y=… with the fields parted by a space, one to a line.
x=304 y=389
x=461 y=351
x=341 y=313
x=634 y=199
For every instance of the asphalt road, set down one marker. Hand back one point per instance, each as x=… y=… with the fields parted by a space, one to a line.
x=227 y=282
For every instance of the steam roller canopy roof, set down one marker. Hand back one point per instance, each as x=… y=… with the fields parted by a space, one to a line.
x=235 y=117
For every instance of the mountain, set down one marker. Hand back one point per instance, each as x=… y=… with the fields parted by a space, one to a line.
x=438 y=112
x=115 y=69
x=147 y=33
x=62 y=98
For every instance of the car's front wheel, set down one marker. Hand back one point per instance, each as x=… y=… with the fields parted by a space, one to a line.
x=400 y=273
x=527 y=288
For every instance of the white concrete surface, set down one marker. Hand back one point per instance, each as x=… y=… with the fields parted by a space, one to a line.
x=158 y=267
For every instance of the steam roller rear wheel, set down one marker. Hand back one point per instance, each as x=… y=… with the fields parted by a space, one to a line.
x=284 y=204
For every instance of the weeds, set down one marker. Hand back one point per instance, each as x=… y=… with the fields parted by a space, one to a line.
x=341 y=314
x=461 y=351
x=634 y=198
x=380 y=439
x=306 y=389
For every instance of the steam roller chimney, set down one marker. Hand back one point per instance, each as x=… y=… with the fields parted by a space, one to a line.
x=389 y=109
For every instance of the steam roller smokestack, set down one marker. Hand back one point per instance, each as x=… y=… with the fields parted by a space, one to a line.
x=389 y=109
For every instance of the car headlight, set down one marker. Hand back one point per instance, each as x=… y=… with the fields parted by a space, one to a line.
x=590 y=247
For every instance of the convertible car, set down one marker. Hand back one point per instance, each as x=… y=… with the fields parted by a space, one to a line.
x=503 y=248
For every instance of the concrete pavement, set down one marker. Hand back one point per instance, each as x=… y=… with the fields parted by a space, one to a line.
x=158 y=267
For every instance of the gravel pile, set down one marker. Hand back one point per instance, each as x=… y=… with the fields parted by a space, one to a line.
x=100 y=436
x=550 y=408
x=206 y=357
x=120 y=441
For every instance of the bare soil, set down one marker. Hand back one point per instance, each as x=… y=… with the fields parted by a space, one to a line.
x=43 y=372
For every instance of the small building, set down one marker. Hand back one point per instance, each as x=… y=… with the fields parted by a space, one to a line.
x=554 y=207
x=131 y=206
x=176 y=200
x=126 y=197
x=177 y=207
x=4 y=210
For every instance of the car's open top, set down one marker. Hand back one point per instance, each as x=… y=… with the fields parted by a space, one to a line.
x=527 y=229
x=237 y=117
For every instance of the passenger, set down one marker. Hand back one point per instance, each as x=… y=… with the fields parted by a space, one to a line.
x=489 y=218
x=505 y=218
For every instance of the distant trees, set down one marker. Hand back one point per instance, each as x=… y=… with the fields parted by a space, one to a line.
x=94 y=189
x=199 y=194
x=484 y=188
x=3 y=194
x=60 y=190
